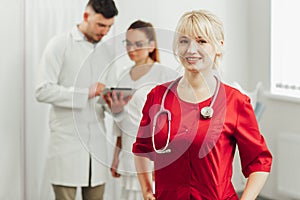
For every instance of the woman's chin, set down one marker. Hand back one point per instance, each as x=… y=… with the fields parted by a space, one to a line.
x=198 y=67
x=192 y=68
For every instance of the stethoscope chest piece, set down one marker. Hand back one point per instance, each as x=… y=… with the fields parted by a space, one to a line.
x=207 y=112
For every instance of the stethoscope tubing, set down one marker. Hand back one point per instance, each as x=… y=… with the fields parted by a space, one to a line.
x=162 y=110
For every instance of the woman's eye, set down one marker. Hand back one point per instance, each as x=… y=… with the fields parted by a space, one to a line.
x=184 y=41
x=202 y=41
x=139 y=44
x=129 y=44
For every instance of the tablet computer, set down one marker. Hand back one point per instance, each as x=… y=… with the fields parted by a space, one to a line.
x=125 y=90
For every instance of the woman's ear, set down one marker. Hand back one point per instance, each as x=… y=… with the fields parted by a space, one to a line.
x=222 y=43
x=219 y=50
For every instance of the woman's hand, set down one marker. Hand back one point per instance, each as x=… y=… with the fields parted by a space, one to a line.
x=116 y=101
x=114 y=167
x=115 y=163
x=144 y=171
x=149 y=196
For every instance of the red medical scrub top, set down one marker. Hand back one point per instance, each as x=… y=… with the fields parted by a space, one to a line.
x=199 y=165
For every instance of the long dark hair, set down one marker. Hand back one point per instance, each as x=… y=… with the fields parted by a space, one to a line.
x=148 y=29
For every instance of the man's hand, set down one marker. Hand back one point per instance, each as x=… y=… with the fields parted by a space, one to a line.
x=96 y=90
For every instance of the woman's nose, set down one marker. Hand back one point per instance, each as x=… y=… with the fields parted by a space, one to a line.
x=193 y=47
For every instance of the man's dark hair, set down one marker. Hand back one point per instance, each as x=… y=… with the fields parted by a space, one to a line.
x=105 y=7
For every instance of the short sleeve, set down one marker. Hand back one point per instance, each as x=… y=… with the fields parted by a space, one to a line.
x=254 y=153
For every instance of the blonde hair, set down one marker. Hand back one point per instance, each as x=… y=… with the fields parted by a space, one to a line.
x=201 y=23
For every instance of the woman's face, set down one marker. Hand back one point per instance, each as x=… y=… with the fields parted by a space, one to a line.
x=196 y=54
x=138 y=45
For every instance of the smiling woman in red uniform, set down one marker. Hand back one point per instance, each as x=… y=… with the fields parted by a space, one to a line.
x=193 y=154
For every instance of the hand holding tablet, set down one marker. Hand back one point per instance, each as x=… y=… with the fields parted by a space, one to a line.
x=116 y=98
x=118 y=90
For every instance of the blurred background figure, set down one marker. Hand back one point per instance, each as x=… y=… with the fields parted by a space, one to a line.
x=70 y=164
x=146 y=72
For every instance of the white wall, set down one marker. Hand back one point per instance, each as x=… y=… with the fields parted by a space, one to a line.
x=164 y=16
x=11 y=102
x=280 y=116
x=236 y=59
x=233 y=13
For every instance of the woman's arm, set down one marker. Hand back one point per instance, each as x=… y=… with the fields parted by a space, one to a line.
x=144 y=171
x=115 y=163
x=256 y=158
x=255 y=183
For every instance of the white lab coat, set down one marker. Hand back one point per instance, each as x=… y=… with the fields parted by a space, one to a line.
x=126 y=123
x=129 y=120
x=76 y=123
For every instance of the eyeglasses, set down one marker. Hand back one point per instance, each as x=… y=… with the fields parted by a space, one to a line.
x=135 y=45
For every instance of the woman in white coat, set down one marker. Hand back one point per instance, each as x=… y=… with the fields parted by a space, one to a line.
x=141 y=46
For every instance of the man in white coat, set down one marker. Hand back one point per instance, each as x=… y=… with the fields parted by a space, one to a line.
x=77 y=152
